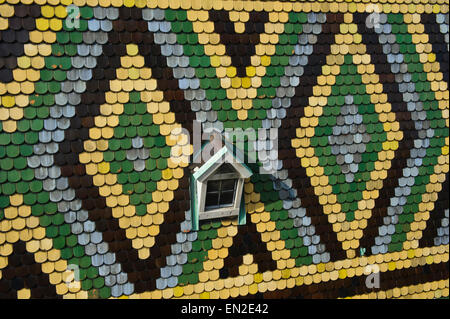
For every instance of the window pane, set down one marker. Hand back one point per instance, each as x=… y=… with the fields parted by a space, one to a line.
x=228 y=185
x=226 y=198
x=220 y=193
x=212 y=200
x=213 y=186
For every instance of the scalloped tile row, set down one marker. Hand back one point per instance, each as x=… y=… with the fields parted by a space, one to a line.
x=95 y=118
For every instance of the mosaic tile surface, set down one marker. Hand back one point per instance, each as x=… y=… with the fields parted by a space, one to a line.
x=96 y=98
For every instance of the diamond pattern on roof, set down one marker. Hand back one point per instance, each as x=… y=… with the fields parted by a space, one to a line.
x=97 y=109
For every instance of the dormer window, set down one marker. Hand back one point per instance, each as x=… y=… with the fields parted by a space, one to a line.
x=217 y=187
